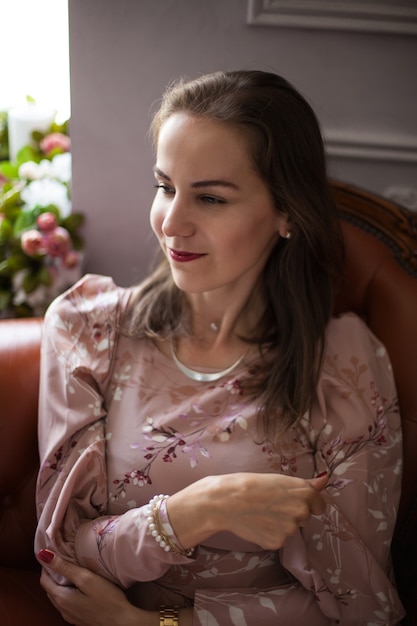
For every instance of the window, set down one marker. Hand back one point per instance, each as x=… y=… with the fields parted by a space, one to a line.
x=35 y=54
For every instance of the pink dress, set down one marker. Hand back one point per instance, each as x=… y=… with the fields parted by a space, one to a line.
x=120 y=423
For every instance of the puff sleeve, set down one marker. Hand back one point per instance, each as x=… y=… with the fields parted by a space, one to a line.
x=79 y=346
x=78 y=343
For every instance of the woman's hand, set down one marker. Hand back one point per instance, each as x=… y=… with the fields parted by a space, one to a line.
x=93 y=600
x=264 y=509
x=267 y=509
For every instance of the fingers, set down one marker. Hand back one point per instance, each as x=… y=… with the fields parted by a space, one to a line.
x=71 y=572
x=319 y=483
x=60 y=596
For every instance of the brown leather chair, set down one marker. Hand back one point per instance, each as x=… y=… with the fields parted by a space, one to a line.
x=380 y=285
x=22 y=601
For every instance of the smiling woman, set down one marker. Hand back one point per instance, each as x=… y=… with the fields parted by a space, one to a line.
x=214 y=193
x=36 y=36
x=213 y=439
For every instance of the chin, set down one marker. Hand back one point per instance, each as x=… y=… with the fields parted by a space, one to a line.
x=190 y=286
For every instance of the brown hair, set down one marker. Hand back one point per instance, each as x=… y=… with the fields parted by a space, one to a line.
x=299 y=277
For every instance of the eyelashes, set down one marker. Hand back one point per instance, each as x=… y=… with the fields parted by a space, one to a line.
x=164 y=188
x=204 y=198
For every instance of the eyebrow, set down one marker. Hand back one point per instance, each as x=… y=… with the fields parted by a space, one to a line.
x=216 y=182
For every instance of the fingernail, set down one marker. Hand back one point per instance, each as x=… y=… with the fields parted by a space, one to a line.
x=321 y=474
x=46 y=556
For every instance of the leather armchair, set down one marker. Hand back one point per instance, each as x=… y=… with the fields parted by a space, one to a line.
x=380 y=284
x=22 y=600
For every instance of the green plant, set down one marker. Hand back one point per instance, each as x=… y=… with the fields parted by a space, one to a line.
x=40 y=246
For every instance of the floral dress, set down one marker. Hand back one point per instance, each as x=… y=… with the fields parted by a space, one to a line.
x=120 y=423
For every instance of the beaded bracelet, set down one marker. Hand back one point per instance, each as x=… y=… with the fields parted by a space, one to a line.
x=169 y=617
x=163 y=533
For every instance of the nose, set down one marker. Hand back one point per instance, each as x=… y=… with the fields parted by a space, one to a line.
x=177 y=220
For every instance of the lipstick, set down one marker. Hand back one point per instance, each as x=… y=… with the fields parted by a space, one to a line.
x=183 y=257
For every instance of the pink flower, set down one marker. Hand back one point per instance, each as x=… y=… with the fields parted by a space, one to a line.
x=47 y=221
x=55 y=141
x=58 y=242
x=32 y=243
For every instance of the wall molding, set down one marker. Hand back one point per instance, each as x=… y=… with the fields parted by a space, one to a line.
x=355 y=145
x=383 y=16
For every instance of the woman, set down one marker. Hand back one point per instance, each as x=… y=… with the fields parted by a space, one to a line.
x=214 y=441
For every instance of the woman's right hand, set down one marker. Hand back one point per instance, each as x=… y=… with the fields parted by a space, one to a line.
x=264 y=509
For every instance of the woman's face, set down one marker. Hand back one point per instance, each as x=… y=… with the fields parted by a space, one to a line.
x=212 y=213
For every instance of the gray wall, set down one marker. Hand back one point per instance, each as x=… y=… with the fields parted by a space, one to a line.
x=361 y=82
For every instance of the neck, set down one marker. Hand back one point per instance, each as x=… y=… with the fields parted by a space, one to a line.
x=217 y=348
x=217 y=320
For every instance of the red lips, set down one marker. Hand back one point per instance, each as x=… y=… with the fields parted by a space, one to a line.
x=183 y=257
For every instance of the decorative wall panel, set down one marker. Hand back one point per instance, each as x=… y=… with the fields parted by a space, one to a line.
x=394 y=16
x=357 y=145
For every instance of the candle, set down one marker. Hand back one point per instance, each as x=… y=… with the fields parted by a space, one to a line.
x=22 y=121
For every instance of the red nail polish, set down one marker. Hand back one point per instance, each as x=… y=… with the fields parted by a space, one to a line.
x=45 y=555
x=321 y=474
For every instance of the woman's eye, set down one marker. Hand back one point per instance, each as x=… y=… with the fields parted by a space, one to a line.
x=164 y=188
x=212 y=200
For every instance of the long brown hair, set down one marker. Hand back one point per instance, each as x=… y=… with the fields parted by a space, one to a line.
x=299 y=277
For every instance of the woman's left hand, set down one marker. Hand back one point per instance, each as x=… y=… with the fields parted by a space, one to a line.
x=93 y=600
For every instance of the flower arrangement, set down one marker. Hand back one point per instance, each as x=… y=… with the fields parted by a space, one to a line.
x=40 y=246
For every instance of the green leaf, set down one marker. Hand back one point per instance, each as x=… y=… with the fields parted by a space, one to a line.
x=73 y=222
x=25 y=220
x=30 y=282
x=54 y=152
x=10 y=199
x=5 y=298
x=44 y=277
x=77 y=242
x=12 y=212
x=30 y=99
x=18 y=261
x=9 y=170
x=60 y=128
x=7 y=186
x=38 y=136
x=28 y=153
x=6 y=230
x=4 y=267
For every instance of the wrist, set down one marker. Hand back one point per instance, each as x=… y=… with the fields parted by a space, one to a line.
x=161 y=529
x=197 y=512
x=131 y=615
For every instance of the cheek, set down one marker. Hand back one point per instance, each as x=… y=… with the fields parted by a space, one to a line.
x=156 y=218
x=257 y=239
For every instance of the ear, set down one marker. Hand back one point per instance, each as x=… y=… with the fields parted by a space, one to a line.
x=283 y=225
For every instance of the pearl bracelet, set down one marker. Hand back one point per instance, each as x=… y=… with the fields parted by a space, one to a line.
x=169 y=617
x=163 y=533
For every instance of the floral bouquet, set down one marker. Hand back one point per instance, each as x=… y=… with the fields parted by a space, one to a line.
x=40 y=248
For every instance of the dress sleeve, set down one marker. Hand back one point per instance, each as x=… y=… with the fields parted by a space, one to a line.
x=340 y=561
x=78 y=347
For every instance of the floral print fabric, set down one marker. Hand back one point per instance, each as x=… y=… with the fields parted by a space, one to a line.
x=119 y=423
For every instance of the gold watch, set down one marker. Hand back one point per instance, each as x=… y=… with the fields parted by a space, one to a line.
x=169 y=616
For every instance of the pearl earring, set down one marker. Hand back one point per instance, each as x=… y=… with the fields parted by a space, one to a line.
x=288 y=234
